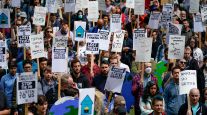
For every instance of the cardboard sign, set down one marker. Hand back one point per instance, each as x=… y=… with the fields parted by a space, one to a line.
x=26 y=88
x=59 y=4
x=140 y=7
x=166 y=18
x=168 y=8
x=4 y=18
x=101 y=5
x=115 y=79
x=93 y=11
x=59 y=57
x=80 y=28
x=187 y=81
x=118 y=42
x=139 y=33
x=16 y=3
x=104 y=41
x=69 y=6
x=3 y=61
x=143 y=49
x=23 y=33
x=60 y=41
x=39 y=15
x=204 y=14
x=37 y=46
x=115 y=23
x=197 y=23
x=51 y=6
x=130 y=4
x=86 y=101
x=92 y=43
x=176 y=47
x=154 y=20
x=194 y=6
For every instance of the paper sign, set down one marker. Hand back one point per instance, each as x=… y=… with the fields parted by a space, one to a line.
x=59 y=4
x=59 y=57
x=166 y=18
x=204 y=14
x=93 y=10
x=115 y=79
x=139 y=33
x=60 y=41
x=80 y=28
x=176 y=47
x=3 y=61
x=37 y=46
x=101 y=5
x=51 y=6
x=115 y=23
x=23 y=33
x=140 y=7
x=197 y=23
x=194 y=6
x=187 y=81
x=130 y=4
x=4 y=18
x=26 y=88
x=154 y=20
x=92 y=43
x=174 y=29
x=168 y=8
x=16 y=3
x=69 y=6
x=39 y=15
x=143 y=49
x=118 y=42
x=104 y=41
x=86 y=101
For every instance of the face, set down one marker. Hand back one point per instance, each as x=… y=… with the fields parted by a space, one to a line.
x=108 y=2
x=28 y=55
x=205 y=95
x=176 y=74
x=43 y=65
x=104 y=69
x=13 y=70
x=64 y=27
x=148 y=65
x=183 y=15
x=182 y=64
x=194 y=97
x=49 y=32
x=106 y=19
x=133 y=18
x=154 y=35
x=114 y=62
x=192 y=43
x=42 y=108
x=28 y=68
x=153 y=90
x=47 y=75
x=158 y=106
x=89 y=57
x=187 y=54
x=76 y=67
x=186 y=24
x=71 y=83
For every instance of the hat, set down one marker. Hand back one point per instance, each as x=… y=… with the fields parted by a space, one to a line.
x=23 y=14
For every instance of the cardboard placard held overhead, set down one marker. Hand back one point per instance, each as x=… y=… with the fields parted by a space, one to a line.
x=154 y=20
x=117 y=43
x=93 y=10
x=140 y=7
x=4 y=18
x=80 y=28
x=3 y=61
x=39 y=15
x=69 y=6
x=139 y=33
x=101 y=5
x=16 y=3
x=115 y=23
x=130 y=4
x=104 y=41
x=51 y=6
x=60 y=41
x=194 y=6
x=204 y=14
x=23 y=33
x=92 y=43
x=37 y=46
x=197 y=23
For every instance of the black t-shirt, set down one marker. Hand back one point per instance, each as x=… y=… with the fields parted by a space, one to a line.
x=3 y=101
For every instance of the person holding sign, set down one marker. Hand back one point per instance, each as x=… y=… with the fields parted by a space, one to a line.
x=173 y=100
x=197 y=108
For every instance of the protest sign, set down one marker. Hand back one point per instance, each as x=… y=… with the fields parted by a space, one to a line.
x=154 y=20
x=167 y=8
x=59 y=4
x=115 y=23
x=51 y=6
x=86 y=101
x=37 y=46
x=143 y=49
x=92 y=43
x=101 y=5
x=138 y=34
x=117 y=43
x=115 y=79
x=174 y=29
x=84 y=3
x=23 y=33
x=4 y=18
x=176 y=47
x=130 y=4
x=166 y=18
x=104 y=41
x=80 y=28
x=93 y=11
x=39 y=15
x=187 y=81
x=204 y=14
x=60 y=41
x=197 y=23
x=69 y=6
x=16 y=3
x=26 y=88
x=194 y=6
x=3 y=61
x=59 y=57
x=140 y=7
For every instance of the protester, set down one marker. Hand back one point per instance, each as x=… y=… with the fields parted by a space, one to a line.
x=157 y=105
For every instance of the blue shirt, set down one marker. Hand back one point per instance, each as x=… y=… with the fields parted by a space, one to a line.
x=20 y=68
x=7 y=84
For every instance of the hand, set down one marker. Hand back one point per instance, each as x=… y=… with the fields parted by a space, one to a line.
x=145 y=107
x=16 y=113
x=189 y=112
x=92 y=74
x=106 y=110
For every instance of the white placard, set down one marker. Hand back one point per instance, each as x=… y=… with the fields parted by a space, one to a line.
x=80 y=28
x=166 y=18
x=115 y=79
x=115 y=23
x=187 y=81
x=69 y=6
x=204 y=14
x=3 y=61
x=101 y=5
x=4 y=18
x=117 y=43
x=176 y=47
x=86 y=101
x=197 y=23
x=92 y=43
x=168 y=8
x=174 y=29
x=139 y=7
x=59 y=57
x=23 y=33
x=59 y=4
x=93 y=11
x=143 y=49
x=154 y=20
x=60 y=41
x=139 y=33
x=194 y=6
x=51 y=6
x=37 y=46
x=26 y=88
x=104 y=41
x=130 y=4
x=16 y=3
x=39 y=15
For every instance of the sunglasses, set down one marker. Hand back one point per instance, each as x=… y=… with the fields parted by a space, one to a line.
x=182 y=62
x=49 y=31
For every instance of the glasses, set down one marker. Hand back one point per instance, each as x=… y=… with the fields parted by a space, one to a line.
x=183 y=62
x=27 y=67
x=49 y=31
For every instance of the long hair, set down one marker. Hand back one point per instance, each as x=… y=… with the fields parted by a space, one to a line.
x=147 y=91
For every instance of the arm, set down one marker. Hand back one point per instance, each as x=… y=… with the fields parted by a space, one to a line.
x=166 y=97
x=144 y=108
x=134 y=85
x=5 y=112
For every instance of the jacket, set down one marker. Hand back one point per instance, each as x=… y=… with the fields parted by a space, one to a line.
x=184 y=108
